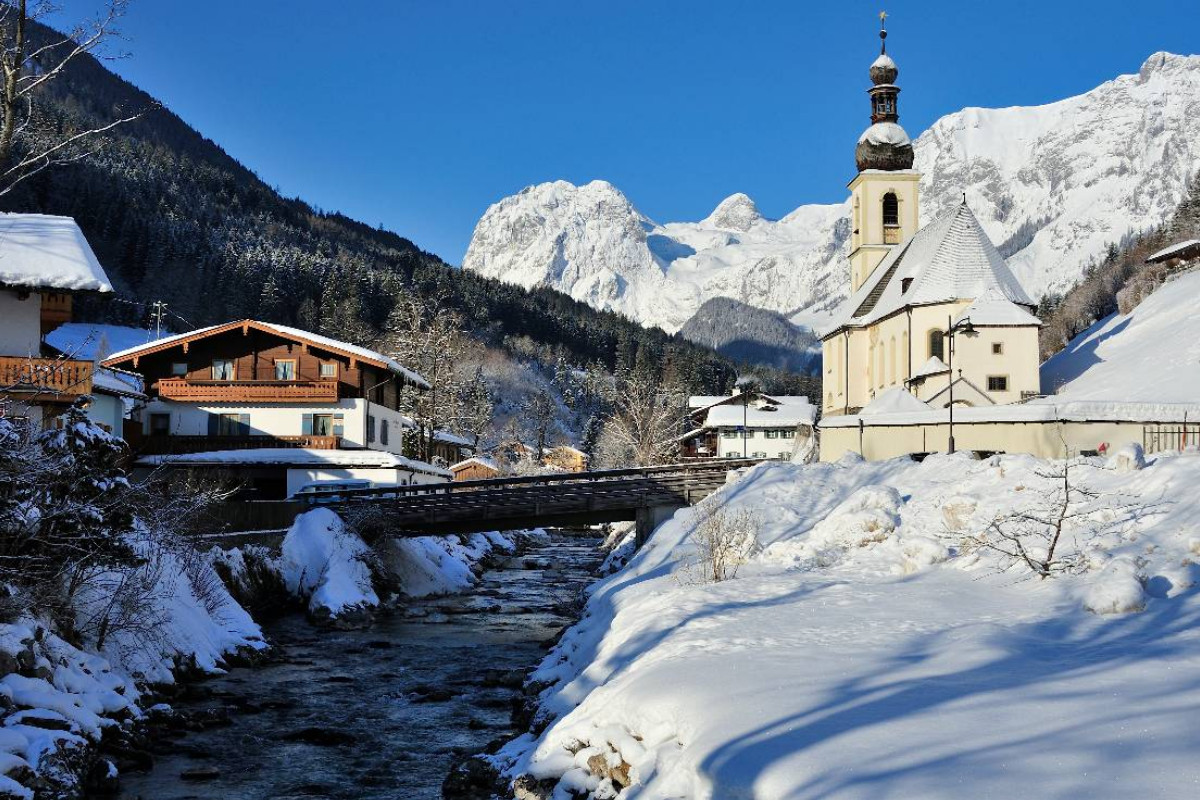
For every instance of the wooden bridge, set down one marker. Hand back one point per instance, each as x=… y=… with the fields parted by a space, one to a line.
x=647 y=495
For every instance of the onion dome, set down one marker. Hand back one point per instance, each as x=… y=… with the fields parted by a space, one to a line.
x=884 y=145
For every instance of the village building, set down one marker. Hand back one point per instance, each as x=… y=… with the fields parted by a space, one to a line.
x=280 y=406
x=936 y=349
x=748 y=425
x=566 y=458
x=45 y=262
x=475 y=468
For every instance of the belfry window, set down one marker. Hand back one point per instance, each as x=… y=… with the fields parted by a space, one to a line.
x=891 y=209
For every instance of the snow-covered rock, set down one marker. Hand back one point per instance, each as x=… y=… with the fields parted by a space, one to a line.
x=1052 y=185
x=326 y=565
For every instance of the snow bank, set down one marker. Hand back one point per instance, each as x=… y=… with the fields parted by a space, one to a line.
x=327 y=566
x=876 y=648
x=432 y=565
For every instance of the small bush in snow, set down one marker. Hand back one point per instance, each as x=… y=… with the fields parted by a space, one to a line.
x=1129 y=458
x=723 y=539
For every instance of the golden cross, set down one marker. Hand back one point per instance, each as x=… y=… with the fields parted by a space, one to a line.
x=882 y=18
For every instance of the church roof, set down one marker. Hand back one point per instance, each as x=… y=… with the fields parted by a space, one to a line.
x=949 y=259
x=992 y=308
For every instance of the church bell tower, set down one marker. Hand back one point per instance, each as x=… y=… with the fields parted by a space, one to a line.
x=884 y=192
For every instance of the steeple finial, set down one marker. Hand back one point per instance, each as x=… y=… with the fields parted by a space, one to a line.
x=882 y=32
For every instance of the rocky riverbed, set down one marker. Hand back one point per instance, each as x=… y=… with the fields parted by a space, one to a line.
x=381 y=713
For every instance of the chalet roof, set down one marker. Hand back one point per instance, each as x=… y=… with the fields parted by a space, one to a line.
x=117 y=382
x=295 y=334
x=296 y=457
x=1177 y=250
x=481 y=461
x=788 y=413
x=39 y=251
x=949 y=259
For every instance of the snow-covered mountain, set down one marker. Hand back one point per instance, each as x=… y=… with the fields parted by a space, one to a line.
x=1053 y=185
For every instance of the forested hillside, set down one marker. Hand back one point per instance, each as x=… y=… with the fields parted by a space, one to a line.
x=174 y=218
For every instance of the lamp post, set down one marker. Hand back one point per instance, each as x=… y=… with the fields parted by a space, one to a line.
x=962 y=326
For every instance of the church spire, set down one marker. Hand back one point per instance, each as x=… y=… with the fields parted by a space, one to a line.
x=885 y=145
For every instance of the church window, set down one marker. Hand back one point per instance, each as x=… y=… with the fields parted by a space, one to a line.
x=891 y=209
x=997 y=383
x=892 y=362
x=997 y=348
x=936 y=345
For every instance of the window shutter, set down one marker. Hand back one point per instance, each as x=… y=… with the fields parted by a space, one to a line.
x=339 y=424
x=306 y=426
x=214 y=422
x=244 y=424
x=370 y=429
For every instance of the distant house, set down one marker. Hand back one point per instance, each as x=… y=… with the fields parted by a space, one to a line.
x=748 y=425
x=566 y=458
x=1177 y=253
x=252 y=385
x=475 y=468
x=44 y=262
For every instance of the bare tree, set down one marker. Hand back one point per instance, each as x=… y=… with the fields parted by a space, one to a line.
x=30 y=60
x=644 y=426
x=538 y=414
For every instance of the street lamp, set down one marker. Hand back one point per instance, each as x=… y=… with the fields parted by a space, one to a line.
x=963 y=326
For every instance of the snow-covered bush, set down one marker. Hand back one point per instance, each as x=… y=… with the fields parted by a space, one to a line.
x=1130 y=458
x=723 y=539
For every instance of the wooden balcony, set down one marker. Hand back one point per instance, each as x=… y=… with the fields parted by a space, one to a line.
x=48 y=379
x=188 y=391
x=156 y=445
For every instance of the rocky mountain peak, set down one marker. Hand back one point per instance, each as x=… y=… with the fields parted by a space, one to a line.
x=736 y=212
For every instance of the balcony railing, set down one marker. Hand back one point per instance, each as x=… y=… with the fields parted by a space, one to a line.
x=891 y=234
x=164 y=444
x=189 y=391
x=46 y=377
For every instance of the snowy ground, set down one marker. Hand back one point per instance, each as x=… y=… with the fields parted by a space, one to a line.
x=867 y=649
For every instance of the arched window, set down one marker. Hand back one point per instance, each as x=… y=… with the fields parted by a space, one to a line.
x=891 y=209
x=892 y=361
x=880 y=374
x=936 y=345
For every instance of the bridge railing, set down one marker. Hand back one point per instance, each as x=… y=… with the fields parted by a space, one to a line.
x=455 y=487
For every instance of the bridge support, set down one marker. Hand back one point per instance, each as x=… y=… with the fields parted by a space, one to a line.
x=649 y=518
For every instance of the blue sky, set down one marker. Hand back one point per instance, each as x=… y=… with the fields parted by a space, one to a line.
x=418 y=115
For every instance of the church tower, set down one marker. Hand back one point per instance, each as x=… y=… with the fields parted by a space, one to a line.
x=884 y=192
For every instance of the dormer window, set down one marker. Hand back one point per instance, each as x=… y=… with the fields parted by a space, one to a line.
x=905 y=283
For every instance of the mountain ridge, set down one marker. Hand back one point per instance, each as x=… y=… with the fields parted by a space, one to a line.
x=1053 y=185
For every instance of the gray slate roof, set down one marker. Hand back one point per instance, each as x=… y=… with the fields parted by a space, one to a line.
x=949 y=259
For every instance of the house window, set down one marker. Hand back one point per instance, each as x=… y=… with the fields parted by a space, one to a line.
x=179 y=369
x=891 y=209
x=228 y=424
x=771 y=434
x=997 y=348
x=732 y=454
x=285 y=369
x=383 y=432
x=937 y=345
x=758 y=454
x=222 y=369
x=370 y=429
x=997 y=383
x=729 y=433
x=788 y=433
x=329 y=369
x=160 y=424
x=324 y=425
x=784 y=455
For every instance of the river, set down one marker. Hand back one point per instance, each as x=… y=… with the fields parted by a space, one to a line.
x=380 y=713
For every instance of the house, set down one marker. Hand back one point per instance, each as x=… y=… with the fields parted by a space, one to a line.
x=475 y=468
x=252 y=385
x=1176 y=254
x=748 y=425
x=45 y=261
x=565 y=458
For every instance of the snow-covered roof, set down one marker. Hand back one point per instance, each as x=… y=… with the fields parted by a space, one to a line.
x=323 y=342
x=894 y=401
x=296 y=457
x=790 y=412
x=1044 y=409
x=949 y=259
x=566 y=448
x=107 y=381
x=992 y=308
x=39 y=251
x=482 y=461
x=452 y=438
x=934 y=366
x=85 y=339
x=885 y=133
x=1174 y=250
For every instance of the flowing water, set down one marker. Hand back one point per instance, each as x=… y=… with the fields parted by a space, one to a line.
x=381 y=713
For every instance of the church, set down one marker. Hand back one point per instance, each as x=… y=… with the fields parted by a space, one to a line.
x=933 y=310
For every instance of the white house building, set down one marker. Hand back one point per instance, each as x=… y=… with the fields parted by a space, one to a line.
x=748 y=425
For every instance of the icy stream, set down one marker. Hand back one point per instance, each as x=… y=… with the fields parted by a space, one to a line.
x=381 y=713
